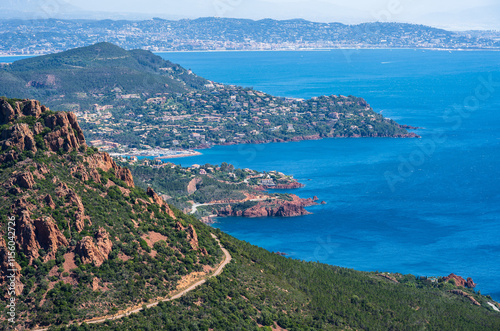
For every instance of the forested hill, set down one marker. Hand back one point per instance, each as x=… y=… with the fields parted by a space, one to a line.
x=82 y=239
x=98 y=69
x=136 y=99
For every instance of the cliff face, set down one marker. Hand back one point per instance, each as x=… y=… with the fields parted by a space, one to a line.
x=31 y=126
x=73 y=206
x=276 y=207
x=459 y=281
x=95 y=249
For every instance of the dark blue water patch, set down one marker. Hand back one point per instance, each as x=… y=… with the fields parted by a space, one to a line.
x=10 y=59
x=441 y=212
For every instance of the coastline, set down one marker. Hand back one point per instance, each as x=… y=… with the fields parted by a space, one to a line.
x=178 y=155
x=294 y=50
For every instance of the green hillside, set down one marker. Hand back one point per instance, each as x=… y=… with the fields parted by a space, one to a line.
x=86 y=241
x=99 y=69
x=260 y=290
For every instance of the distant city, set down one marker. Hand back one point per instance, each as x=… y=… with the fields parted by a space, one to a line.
x=36 y=37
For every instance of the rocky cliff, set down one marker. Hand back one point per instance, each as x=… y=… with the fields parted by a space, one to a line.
x=74 y=210
x=29 y=126
x=271 y=207
x=459 y=281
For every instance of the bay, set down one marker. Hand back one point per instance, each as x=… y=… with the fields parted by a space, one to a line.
x=426 y=206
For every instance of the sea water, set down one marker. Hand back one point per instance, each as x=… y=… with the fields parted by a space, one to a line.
x=428 y=206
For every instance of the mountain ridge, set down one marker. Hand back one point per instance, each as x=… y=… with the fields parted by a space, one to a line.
x=212 y=33
x=80 y=226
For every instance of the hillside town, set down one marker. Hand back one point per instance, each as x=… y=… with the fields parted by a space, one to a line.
x=50 y=36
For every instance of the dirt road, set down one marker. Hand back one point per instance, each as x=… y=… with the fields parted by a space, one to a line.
x=136 y=309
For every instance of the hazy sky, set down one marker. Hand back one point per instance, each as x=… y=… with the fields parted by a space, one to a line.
x=451 y=14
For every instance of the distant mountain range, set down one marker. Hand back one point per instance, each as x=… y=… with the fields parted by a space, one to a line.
x=44 y=36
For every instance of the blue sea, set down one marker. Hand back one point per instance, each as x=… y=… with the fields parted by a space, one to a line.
x=428 y=206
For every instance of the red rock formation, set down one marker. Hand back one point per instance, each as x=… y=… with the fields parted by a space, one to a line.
x=40 y=233
x=388 y=277
x=192 y=236
x=95 y=252
x=191 y=188
x=105 y=162
x=470 y=283
x=72 y=198
x=66 y=134
x=19 y=136
x=48 y=200
x=470 y=297
x=26 y=236
x=25 y=180
x=126 y=175
x=155 y=198
x=7 y=112
x=459 y=281
x=49 y=236
x=276 y=207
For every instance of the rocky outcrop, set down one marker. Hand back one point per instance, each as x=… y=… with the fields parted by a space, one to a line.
x=192 y=236
x=66 y=134
x=459 y=281
x=467 y=295
x=50 y=203
x=25 y=180
x=95 y=251
x=48 y=234
x=155 y=198
x=20 y=137
x=389 y=277
x=104 y=162
x=40 y=233
x=72 y=199
x=26 y=235
x=277 y=207
x=126 y=175
x=7 y=112
x=191 y=187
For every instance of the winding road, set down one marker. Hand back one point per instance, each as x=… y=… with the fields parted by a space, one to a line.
x=136 y=309
x=195 y=206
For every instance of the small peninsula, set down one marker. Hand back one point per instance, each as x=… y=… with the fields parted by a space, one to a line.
x=141 y=101
x=212 y=190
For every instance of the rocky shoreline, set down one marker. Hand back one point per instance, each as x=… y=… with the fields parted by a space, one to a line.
x=276 y=207
x=318 y=137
